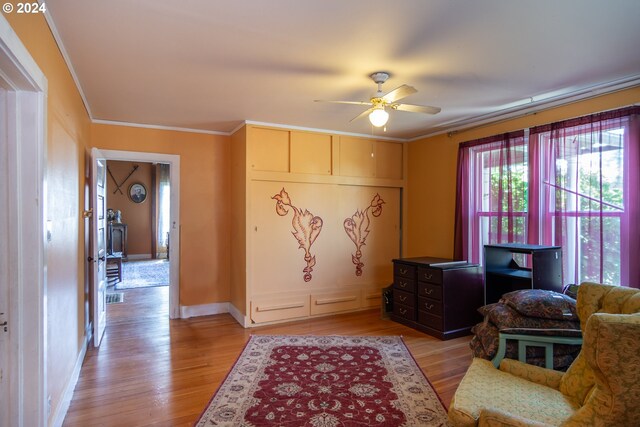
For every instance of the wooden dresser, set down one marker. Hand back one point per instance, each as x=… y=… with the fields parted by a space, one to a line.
x=438 y=296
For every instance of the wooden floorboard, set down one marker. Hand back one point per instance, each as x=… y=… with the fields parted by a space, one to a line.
x=150 y=371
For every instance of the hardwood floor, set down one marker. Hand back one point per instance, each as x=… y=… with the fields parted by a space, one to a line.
x=150 y=371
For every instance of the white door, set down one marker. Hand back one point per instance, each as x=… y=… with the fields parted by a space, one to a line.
x=99 y=244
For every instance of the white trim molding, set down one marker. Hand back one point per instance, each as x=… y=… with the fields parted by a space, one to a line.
x=238 y=316
x=328 y=131
x=60 y=412
x=174 y=251
x=187 y=311
x=159 y=127
x=138 y=257
x=26 y=126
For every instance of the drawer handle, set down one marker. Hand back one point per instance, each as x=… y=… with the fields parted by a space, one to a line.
x=334 y=300
x=428 y=277
x=403 y=311
x=428 y=306
x=402 y=284
x=279 y=307
x=403 y=271
x=428 y=291
x=403 y=298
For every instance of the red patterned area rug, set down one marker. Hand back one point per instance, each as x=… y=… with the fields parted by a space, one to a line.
x=320 y=381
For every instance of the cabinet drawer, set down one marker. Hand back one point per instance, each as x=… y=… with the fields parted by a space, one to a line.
x=272 y=309
x=334 y=302
x=430 y=290
x=430 y=320
x=404 y=298
x=371 y=298
x=432 y=275
x=404 y=311
x=403 y=284
x=404 y=270
x=430 y=306
x=406 y=285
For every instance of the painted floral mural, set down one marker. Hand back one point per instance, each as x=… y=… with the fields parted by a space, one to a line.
x=357 y=228
x=306 y=228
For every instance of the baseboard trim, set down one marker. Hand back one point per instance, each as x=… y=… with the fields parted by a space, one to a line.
x=238 y=316
x=135 y=257
x=61 y=411
x=187 y=311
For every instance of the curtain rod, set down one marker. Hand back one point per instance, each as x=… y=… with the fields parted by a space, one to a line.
x=533 y=110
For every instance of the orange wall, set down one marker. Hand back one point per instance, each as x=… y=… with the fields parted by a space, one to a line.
x=432 y=172
x=238 y=244
x=137 y=216
x=68 y=130
x=204 y=202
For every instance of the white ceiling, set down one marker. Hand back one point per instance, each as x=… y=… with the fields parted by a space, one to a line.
x=212 y=64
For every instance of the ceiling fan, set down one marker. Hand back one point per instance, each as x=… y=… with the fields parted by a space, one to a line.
x=379 y=103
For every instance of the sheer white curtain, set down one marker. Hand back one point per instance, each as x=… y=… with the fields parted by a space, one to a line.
x=164 y=219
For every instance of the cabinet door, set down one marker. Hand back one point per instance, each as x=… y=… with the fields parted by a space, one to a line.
x=268 y=150
x=310 y=153
x=357 y=157
x=389 y=163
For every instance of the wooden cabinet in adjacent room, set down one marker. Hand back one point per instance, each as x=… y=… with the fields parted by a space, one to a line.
x=438 y=296
x=117 y=239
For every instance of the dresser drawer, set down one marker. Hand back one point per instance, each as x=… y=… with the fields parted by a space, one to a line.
x=404 y=311
x=404 y=270
x=430 y=290
x=403 y=284
x=430 y=320
x=404 y=298
x=432 y=275
x=430 y=306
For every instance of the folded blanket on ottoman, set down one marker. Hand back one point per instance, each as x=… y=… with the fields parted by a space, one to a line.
x=534 y=312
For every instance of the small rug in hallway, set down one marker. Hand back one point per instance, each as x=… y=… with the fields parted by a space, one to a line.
x=115 y=297
x=324 y=381
x=142 y=274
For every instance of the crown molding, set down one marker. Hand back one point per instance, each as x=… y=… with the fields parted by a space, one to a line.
x=328 y=131
x=533 y=106
x=67 y=59
x=158 y=127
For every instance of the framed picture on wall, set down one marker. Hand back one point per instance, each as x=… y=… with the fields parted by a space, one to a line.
x=137 y=192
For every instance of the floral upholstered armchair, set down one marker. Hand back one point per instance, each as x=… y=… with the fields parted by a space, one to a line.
x=600 y=388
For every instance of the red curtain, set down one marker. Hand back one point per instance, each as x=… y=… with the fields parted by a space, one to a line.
x=584 y=185
x=491 y=194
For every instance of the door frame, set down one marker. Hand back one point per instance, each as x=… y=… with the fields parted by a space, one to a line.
x=25 y=137
x=174 y=201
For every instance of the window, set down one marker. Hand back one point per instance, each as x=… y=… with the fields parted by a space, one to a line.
x=583 y=181
x=574 y=184
x=496 y=204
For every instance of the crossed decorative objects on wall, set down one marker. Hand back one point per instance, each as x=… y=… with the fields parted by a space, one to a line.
x=307 y=227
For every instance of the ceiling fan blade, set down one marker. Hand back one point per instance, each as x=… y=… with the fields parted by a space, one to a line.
x=363 y=114
x=416 y=108
x=398 y=93
x=345 y=102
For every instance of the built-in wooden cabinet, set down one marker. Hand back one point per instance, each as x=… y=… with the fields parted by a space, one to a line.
x=328 y=180
x=311 y=153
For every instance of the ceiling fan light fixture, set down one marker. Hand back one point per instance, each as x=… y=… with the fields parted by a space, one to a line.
x=379 y=117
